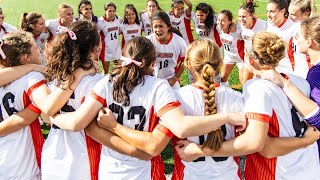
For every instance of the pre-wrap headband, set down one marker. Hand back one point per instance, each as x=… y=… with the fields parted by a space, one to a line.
x=72 y=35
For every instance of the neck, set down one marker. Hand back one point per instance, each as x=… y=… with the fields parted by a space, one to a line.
x=36 y=33
x=314 y=56
x=166 y=38
x=280 y=22
x=86 y=18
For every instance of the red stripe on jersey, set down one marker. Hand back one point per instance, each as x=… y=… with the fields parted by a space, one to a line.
x=180 y=59
x=34 y=109
x=254 y=23
x=100 y=99
x=178 y=168
x=259 y=117
x=36 y=132
x=103 y=50
x=123 y=41
x=35 y=86
x=217 y=36
x=290 y=53
x=157 y=166
x=259 y=167
x=308 y=61
x=284 y=21
x=188 y=29
x=168 y=107
x=164 y=130
x=94 y=152
x=240 y=47
x=171 y=36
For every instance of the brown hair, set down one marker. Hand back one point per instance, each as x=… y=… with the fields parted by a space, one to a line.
x=28 y=19
x=128 y=77
x=63 y=6
x=204 y=56
x=14 y=46
x=281 y=4
x=305 y=6
x=310 y=28
x=268 y=49
x=66 y=55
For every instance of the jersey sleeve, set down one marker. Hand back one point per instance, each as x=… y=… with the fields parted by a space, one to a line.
x=257 y=103
x=183 y=49
x=34 y=81
x=99 y=92
x=165 y=99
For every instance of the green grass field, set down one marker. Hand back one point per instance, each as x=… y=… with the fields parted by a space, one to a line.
x=14 y=8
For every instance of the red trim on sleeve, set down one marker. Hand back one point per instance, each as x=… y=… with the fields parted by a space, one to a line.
x=123 y=42
x=217 y=36
x=34 y=109
x=35 y=86
x=165 y=130
x=290 y=53
x=240 y=47
x=103 y=51
x=188 y=29
x=258 y=117
x=168 y=107
x=100 y=99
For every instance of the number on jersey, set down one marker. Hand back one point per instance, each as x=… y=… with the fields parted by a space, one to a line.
x=114 y=36
x=163 y=64
x=226 y=47
x=7 y=100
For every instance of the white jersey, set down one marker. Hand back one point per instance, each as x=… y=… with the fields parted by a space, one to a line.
x=53 y=25
x=169 y=55
x=301 y=61
x=21 y=151
x=7 y=28
x=202 y=32
x=247 y=34
x=129 y=31
x=146 y=23
x=183 y=25
x=193 y=104
x=233 y=46
x=65 y=153
x=109 y=36
x=149 y=100
x=266 y=102
x=285 y=32
x=41 y=41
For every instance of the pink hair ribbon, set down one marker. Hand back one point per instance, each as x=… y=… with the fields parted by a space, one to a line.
x=1 y=51
x=127 y=61
x=72 y=35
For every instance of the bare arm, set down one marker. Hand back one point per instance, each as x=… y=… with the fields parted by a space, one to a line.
x=176 y=77
x=114 y=142
x=189 y=7
x=17 y=121
x=10 y=74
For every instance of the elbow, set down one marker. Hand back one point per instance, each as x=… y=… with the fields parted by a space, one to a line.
x=181 y=133
x=154 y=150
x=256 y=147
x=266 y=155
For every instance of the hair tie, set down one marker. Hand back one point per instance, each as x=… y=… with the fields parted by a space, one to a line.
x=72 y=35
x=127 y=61
x=1 y=51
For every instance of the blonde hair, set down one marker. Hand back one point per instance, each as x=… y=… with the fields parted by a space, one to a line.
x=305 y=6
x=310 y=28
x=268 y=49
x=204 y=56
x=61 y=7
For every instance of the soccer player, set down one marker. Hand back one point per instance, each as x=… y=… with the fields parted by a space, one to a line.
x=85 y=12
x=152 y=7
x=5 y=28
x=109 y=25
x=170 y=49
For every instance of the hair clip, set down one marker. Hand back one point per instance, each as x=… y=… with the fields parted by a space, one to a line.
x=72 y=35
x=1 y=51
x=127 y=61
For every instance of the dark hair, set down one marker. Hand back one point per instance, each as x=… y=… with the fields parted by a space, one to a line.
x=128 y=77
x=66 y=55
x=83 y=2
x=249 y=6
x=281 y=4
x=176 y=2
x=157 y=4
x=132 y=8
x=28 y=19
x=165 y=18
x=210 y=14
x=14 y=46
x=107 y=5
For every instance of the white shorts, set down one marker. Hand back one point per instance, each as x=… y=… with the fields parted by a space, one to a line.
x=238 y=62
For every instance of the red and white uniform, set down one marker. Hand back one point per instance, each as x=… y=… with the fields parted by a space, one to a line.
x=67 y=154
x=41 y=41
x=301 y=61
x=110 y=39
x=284 y=31
x=193 y=104
x=20 y=151
x=149 y=100
x=204 y=33
x=129 y=31
x=233 y=46
x=183 y=25
x=169 y=56
x=53 y=25
x=7 y=28
x=146 y=23
x=247 y=34
x=266 y=102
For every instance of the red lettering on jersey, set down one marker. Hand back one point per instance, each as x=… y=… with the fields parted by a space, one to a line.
x=226 y=41
x=175 y=23
x=148 y=25
x=164 y=55
x=113 y=28
x=133 y=31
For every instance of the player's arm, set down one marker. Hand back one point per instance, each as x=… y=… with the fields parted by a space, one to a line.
x=189 y=7
x=79 y=119
x=10 y=74
x=284 y=145
x=18 y=121
x=114 y=142
x=176 y=77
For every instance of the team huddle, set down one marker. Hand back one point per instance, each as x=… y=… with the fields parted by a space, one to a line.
x=114 y=125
